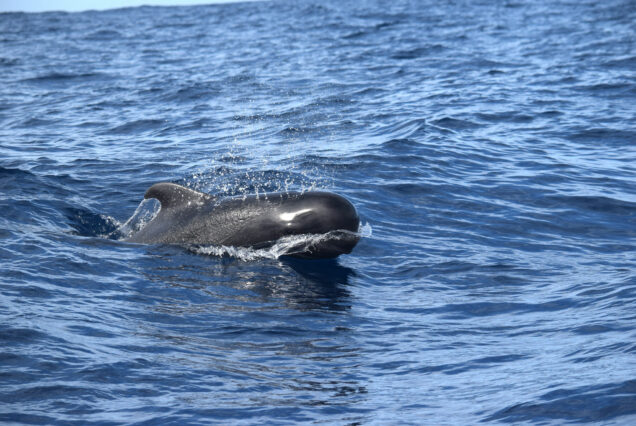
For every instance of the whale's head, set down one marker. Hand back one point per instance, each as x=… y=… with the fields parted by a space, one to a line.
x=330 y=219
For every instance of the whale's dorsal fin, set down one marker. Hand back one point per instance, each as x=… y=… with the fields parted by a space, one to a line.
x=171 y=194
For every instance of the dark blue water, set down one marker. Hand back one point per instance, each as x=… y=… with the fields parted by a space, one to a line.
x=489 y=147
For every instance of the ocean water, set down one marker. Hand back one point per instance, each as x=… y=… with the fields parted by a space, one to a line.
x=489 y=147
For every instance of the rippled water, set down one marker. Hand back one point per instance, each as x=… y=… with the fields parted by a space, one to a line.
x=489 y=148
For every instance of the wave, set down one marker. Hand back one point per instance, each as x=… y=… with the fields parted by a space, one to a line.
x=585 y=404
x=63 y=77
x=138 y=126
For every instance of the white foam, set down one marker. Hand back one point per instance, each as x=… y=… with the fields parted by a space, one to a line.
x=284 y=246
x=365 y=231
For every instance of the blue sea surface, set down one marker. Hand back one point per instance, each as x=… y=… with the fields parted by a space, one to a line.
x=489 y=147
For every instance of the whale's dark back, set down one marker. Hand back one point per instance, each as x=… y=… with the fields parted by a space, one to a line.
x=192 y=218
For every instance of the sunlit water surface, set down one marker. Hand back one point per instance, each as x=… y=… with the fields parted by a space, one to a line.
x=489 y=148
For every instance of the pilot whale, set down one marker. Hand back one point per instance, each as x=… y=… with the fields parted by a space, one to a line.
x=189 y=217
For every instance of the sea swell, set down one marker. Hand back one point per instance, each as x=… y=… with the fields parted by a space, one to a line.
x=489 y=147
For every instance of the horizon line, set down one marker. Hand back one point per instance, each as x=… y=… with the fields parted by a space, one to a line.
x=38 y=6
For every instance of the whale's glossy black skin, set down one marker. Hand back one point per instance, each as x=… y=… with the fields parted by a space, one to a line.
x=189 y=217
